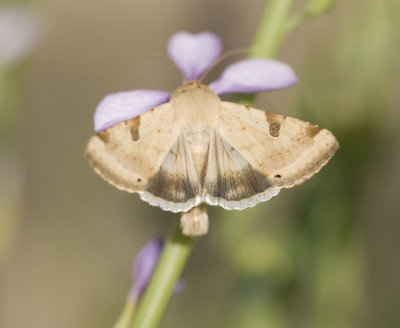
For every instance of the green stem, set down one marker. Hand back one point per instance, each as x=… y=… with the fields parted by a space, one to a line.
x=126 y=316
x=268 y=38
x=271 y=30
x=159 y=291
x=295 y=20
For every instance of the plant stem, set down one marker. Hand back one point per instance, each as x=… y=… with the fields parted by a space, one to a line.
x=271 y=30
x=295 y=20
x=268 y=37
x=126 y=316
x=158 y=293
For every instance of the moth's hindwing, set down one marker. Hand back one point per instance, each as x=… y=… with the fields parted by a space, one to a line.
x=176 y=186
x=230 y=181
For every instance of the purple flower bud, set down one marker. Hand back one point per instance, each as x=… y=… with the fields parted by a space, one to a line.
x=143 y=269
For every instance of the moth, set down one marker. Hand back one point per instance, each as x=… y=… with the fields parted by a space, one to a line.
x=198 y=149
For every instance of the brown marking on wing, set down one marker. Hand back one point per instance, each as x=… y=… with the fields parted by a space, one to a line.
x=104 y=136
x=134 y=128
x=273 y=122
x=312 y=130
x=274 y=129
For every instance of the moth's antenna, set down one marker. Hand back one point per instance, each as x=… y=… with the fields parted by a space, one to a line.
x=225 y=55
x=158 y=56
x=165 y=57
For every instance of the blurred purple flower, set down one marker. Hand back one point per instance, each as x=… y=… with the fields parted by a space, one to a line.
x=143 y=269
x=194 y=54
x=19 y=33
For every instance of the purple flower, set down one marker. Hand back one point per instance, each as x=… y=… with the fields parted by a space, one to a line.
x=143 y=269
x=19 y=33
x=194 y=54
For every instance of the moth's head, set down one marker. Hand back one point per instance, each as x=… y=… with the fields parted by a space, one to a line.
x=196 y=105
x=193 y=88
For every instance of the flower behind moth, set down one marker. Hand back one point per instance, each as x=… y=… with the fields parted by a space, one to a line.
x=194 y=54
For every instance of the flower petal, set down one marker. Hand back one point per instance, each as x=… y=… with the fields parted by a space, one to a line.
x=144 y=267
x=121 y=106
x=254 y=75
x=194 y=53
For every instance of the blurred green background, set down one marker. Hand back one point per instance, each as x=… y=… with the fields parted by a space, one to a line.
x=325 y=254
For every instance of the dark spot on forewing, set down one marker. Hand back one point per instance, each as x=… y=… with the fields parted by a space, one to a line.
x=134 y=125
x=135 y=133
x=274 y=129
x=274 y=125
x=312 y=130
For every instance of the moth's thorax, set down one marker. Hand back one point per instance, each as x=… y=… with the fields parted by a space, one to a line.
x=196 y=107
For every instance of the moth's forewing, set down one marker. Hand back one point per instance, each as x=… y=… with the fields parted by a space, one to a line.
x=128 y=154
x=285 y=150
